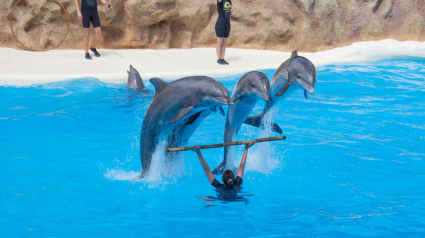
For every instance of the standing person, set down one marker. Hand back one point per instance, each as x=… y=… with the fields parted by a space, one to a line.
x=89 y=14
x=228 y=177
x=222 y=28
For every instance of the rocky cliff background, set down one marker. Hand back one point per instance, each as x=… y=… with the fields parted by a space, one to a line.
x=306 y=25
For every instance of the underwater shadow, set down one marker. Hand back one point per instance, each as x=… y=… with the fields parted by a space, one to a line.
x=225 y=197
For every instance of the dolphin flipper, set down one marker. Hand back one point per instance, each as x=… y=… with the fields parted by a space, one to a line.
x=192 y=118
x=283 y=90
x=255 y=121
x=221 y=111
x=181 y=114
x=276 y=128
x=240 y=95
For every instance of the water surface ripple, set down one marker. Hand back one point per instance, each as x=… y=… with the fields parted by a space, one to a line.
x=353 y=163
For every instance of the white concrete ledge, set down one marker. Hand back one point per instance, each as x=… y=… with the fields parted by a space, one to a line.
x=26 y=68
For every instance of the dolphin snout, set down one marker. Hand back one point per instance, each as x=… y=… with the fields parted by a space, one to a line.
x=223 y=100
x=311 y=91
x=265 y=96
x=308 y=87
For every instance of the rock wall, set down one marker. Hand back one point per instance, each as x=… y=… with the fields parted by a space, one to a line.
x=306 y=25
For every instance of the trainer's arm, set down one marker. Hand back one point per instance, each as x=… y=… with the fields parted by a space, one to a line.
x=204 y=164
x=243 y=160
x=79 y=15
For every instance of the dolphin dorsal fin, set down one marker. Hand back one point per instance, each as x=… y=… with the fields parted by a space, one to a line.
x=158 y=83
x=294 y=53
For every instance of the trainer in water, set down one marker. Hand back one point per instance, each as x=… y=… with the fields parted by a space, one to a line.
x=222 y=28
x=229 y=180
x=89 y=14
x=295 y=73
x=174 y=102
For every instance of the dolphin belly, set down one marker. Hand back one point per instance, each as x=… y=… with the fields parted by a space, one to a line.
x=236 y=115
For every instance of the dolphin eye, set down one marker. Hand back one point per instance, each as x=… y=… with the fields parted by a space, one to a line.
x=253 y=85
x=298 y=76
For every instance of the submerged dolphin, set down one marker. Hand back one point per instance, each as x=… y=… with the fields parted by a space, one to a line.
x=134 y=79
x=250 y=88
x=296 y=72
x=174 y=102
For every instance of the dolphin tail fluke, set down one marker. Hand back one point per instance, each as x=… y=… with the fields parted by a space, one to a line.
x=255 y=121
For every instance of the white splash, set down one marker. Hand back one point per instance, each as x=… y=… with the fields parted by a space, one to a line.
x=122 y=175
x=161 y=171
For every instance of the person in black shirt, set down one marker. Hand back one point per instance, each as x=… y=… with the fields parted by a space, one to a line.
x=222 y=28
x=229 y=181
x=89 y=14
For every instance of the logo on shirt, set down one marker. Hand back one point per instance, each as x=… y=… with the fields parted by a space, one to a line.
x=227 y=6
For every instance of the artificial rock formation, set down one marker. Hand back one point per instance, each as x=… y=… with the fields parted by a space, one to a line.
x=306 y=25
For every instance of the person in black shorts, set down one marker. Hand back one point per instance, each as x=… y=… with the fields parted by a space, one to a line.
x=222 y=28
x=229 y=181
x=89 y=14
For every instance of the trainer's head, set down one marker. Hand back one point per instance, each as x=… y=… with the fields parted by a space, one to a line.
x=228 y=178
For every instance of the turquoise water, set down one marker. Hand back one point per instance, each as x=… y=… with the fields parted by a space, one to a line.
x=353 y=164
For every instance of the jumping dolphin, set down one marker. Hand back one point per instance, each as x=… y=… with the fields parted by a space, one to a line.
x=296 y=72
x=174 y=102
x=134 y=79
x=250 y=88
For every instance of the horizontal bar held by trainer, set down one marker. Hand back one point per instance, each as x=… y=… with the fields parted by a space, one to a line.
x=225 y=144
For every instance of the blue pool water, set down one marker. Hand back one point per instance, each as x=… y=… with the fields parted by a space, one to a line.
x=353 y=164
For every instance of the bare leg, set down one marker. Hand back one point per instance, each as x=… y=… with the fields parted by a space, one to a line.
x=218 y=48
x=96 y=37
x=223 y=47
x=86 y=39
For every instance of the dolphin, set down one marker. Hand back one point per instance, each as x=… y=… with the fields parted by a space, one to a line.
x=296 y=72
x=174 y=102
x=250 y=88
x=134 y=79
x=182 y=132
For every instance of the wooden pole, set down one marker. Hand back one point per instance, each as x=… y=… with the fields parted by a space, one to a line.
x=225 y=144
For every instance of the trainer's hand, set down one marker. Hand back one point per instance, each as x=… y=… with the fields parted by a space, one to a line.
x=247 y=146
x=79 y=16
x=196 y=150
